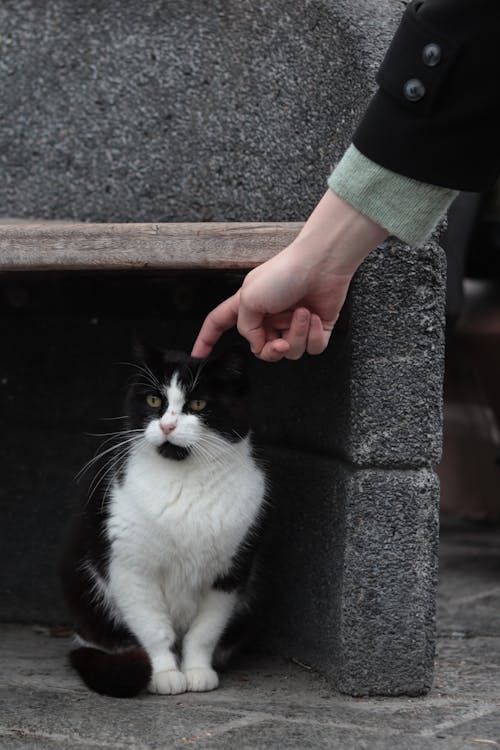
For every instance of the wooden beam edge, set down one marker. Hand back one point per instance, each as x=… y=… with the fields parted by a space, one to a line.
x=67 y=246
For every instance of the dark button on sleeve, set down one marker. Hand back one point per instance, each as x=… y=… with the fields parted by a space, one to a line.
x=431 y=54
x=414 y=90
x=417 y=64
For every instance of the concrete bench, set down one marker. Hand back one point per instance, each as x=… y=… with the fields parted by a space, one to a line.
x=350 y=438
x=211 y=113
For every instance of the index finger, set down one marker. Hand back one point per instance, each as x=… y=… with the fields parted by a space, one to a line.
x=220 y=319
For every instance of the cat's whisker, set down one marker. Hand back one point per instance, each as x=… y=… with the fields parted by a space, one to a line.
x=213 y=460
x=153 y=376
x=118 y=432
x=110 y=465
x=198 y=373
x=208 y=457
x=150 y=380
x=116 y=463
x=215 y=437
x=205 y=455
x=198 y=453
x=136 y=381
x=189 y=372
x=109 y=468
x=108 y=440
x=143 y=367
x=218 y=443
x=104 y=453
x=112 y=459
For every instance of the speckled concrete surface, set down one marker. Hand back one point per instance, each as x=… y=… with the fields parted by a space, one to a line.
x=168 y=111
x=266 y=702
x=351 y=576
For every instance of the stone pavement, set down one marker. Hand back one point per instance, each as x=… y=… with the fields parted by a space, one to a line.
x=267 y=702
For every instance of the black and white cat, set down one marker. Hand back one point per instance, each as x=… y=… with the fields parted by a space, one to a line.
x=159 y=567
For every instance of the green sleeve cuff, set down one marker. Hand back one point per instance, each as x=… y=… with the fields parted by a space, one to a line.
x=407 y=208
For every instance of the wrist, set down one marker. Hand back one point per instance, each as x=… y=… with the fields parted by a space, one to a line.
x=337 y=236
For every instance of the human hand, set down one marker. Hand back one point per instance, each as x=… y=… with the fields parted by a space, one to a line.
x=290 y=304
x=277 y=313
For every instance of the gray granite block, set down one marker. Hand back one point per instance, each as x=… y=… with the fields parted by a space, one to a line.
x=394 y=387
x=374 y=398
x=168 y=111
x=352 y=573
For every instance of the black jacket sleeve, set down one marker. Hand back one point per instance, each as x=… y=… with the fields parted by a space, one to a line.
x=436 y=115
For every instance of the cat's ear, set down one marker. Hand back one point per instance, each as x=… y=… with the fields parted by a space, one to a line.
x=145 y=352
x=231 y=364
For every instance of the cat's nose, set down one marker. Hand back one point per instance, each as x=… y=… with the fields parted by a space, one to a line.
x=168 y=427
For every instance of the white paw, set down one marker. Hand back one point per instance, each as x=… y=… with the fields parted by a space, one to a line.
x=168 y=682
x=201 y=679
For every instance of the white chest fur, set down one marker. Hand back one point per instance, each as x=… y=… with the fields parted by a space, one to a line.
x=178 y=523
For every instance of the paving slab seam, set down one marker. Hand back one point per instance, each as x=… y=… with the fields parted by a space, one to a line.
x=394 y=705
x=472 y=598
x=261 y=717
x=465 y=635
x=71 y=739
x=477 y=713
x=248 y=720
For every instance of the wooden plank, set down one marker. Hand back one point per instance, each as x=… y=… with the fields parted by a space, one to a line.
x=66 y=246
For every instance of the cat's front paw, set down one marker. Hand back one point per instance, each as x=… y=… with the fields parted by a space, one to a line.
x=168 y=682
x=201 y=679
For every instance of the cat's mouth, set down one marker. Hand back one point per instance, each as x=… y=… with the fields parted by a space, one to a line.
x=169 y=450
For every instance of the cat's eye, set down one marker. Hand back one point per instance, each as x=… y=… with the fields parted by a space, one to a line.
x=153 y=401
x=197 y=404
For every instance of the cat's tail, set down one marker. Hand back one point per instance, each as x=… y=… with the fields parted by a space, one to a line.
x=121 y=675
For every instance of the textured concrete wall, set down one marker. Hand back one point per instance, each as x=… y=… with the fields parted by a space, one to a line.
x=168 y=111
x=198 y=111
x=354 y=572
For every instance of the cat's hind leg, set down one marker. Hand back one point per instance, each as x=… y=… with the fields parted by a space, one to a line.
x=202 y=637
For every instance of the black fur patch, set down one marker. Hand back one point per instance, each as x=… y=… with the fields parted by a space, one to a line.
x=120 y=675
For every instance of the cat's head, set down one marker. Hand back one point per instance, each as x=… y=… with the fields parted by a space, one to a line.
x=184 y=405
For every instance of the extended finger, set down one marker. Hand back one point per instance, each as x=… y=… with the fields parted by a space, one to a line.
x=220 y=319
